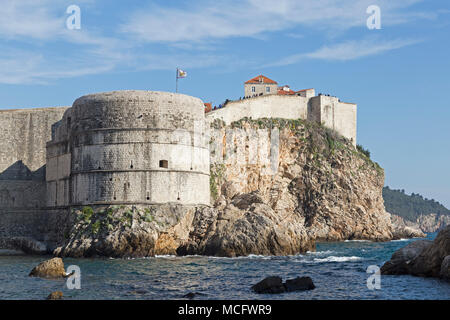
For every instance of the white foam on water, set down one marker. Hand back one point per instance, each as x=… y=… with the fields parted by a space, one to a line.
x=320 y=253
x=337 y=259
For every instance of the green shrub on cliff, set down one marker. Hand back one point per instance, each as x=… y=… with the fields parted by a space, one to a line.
x=215 y=177
x=87 y=213
x=361 y=149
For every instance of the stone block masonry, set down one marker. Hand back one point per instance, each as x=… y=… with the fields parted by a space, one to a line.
x=330 y=111
x=129 y=147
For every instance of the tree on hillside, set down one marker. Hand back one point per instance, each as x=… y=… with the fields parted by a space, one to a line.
x=411 y=206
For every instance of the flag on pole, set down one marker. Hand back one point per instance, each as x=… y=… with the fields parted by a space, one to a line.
x=181 y=74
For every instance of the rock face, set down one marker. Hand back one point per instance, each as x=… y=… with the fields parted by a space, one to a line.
x=428 y=262
x=246 y=226
x=317 y=187
x=425 y=222
x=402 y=231
x=275 y=285
x=128 y=231
x=315 y=178
x=53 y=268
x=445 y=268
x=422 y=258
x=403 y=256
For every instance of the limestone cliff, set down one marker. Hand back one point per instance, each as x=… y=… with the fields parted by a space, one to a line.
x=425 y=222
x=319 y=180
x=277 y=187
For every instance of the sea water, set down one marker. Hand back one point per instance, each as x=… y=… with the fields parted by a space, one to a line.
x=338 y=269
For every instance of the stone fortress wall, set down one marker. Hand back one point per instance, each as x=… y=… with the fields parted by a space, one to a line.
x=24 y=133
x=129 y=147
x=133 y=147
x=328 y=110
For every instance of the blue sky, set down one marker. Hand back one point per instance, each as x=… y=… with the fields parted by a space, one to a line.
x=398 y=75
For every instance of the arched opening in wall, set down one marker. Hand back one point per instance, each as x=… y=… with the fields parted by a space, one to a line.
x=178 y=198
x=114 y=196
x=164 y=164
x=148 y=195
x=131 y=165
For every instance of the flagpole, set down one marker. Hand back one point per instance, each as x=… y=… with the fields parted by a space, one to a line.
x=176 y=86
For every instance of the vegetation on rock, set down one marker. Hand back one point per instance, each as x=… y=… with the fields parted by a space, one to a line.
x=411 y=206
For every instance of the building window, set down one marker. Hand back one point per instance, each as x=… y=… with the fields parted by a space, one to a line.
x=267 y=89
x=253 y=89
x=163 y=164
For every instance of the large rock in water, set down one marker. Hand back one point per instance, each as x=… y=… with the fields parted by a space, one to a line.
x=53 y=268
x=445 y=268
x=269 y=285
x=428 y=263
x=274 y=285
x=403 y=256
x=248 y=226
x=422 y=258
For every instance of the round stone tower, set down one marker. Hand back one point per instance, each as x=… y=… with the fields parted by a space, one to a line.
x=134 y=147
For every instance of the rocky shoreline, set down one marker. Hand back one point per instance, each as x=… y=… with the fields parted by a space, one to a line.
x=324 y=189
x=426 y=222
x=422 y=258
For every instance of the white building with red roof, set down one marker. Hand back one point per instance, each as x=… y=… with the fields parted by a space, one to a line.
x=260 y=85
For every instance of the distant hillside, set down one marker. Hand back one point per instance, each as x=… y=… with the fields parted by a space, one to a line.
x=411 y=206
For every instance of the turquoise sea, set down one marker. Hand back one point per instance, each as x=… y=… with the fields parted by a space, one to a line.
x=338 y=270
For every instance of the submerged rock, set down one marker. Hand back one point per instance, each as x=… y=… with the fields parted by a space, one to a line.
x=192 y=295
x=57 y=295
x=423 y=258
x=275 y=285
x=53 y=268
x=299 y=284
x=269 y=285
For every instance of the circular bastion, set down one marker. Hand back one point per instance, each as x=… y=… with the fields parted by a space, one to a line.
x=137 y=147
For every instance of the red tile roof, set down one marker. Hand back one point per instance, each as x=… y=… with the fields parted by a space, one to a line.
x=208 y=107
x=282 y=91
x=261 y=79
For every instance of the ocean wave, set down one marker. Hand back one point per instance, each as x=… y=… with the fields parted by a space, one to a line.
x=357 y=241
x=337 y=259
x=320 y=253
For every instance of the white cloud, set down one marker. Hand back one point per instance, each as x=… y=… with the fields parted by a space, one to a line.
x=48 y=51
x=206 y=20
x=24 y=67
x=348 y=50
